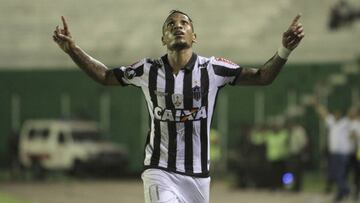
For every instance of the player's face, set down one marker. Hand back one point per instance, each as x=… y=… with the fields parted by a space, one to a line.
x=178 y=32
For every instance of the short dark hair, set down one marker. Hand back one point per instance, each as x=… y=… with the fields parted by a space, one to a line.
x=177 y=11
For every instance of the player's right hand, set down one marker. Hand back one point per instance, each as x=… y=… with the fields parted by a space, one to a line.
x=63 y=37
x=294 y=34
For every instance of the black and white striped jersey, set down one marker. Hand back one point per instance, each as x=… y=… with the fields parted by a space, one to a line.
x=181 y=108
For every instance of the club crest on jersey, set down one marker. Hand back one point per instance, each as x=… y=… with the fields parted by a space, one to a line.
x=129 y=73
x=196 y=93
x=177 y=99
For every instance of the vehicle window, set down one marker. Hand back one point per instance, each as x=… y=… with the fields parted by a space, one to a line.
x=45 y=133
x=83 y=136
x=38 y=133
x=32 y=134
x=61 y=138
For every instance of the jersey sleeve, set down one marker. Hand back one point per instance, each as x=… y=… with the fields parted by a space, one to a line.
x=130 y=75
x=225 y=71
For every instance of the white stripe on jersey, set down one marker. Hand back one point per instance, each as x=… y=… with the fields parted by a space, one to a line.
x=197 y=124
x=145 y=90
x=180 y=127
x=163 y=125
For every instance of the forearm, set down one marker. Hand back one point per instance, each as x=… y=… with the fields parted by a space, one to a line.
x=94 y=68
x=271 y=69
x=264 y=75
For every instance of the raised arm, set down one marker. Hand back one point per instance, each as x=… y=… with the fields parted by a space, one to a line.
x=267 y=73
x=94 y=68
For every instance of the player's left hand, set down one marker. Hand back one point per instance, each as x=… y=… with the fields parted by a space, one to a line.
x=294 y=34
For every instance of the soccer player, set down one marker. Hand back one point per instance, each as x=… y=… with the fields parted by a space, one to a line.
x=180 y=89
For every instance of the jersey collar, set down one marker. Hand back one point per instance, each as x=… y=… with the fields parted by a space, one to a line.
x=188 y=67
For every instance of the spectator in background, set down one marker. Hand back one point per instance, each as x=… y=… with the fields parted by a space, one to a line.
x=277 y=153
x=259 y=169
x=342 y=13
x=257 y=135
x=298 y=141
x=340 y=148
x=355 y=130
x=13 y=154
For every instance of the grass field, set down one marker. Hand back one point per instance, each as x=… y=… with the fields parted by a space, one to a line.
x=5 y=198
x=59 y=190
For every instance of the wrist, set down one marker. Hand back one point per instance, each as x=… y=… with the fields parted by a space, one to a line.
x=72 y=48
x=283 y=52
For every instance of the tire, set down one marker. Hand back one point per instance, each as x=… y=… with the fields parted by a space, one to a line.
x=77 y=168
x=37 y=170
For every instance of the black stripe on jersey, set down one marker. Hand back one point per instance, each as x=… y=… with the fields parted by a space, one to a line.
x=119 y=74
x=153 y=74
x=203 y=125
x=129 y=73
x=226 y=72
x=169 y=89
x=139 y=71
x=188 y=104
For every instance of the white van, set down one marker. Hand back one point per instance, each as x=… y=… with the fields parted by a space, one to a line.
x=68 y=146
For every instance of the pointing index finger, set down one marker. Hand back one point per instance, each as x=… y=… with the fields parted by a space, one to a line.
x=296 y=19
x=65 y=25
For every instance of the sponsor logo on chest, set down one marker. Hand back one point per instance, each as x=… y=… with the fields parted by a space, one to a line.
x=180 y=115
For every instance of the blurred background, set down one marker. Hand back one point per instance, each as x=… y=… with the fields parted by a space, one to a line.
x=49 y=108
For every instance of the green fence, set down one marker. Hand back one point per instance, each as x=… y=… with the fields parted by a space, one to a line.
x=40 y=94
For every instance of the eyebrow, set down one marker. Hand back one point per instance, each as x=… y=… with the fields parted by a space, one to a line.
x=169 y=20
x=183 y=17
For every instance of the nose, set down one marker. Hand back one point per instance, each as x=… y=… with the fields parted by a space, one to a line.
x=178 y=26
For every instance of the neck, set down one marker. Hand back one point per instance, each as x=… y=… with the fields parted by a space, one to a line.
x=178 y=59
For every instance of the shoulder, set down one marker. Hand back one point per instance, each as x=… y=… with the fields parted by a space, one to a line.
x=223 y=62
x=203 y=62
x=141 y=63
x=136 y=69
x=224 y=67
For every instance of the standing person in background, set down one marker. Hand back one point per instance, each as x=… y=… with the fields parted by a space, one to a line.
x=180 y=89
x=355 y=130
x=298 y=141
x=277 y=152
x=340 y=148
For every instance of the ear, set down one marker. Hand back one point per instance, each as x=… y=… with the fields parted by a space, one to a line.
x=194 y=38
x=163 y=41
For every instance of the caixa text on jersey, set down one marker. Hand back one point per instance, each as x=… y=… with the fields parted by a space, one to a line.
x=180 y=115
